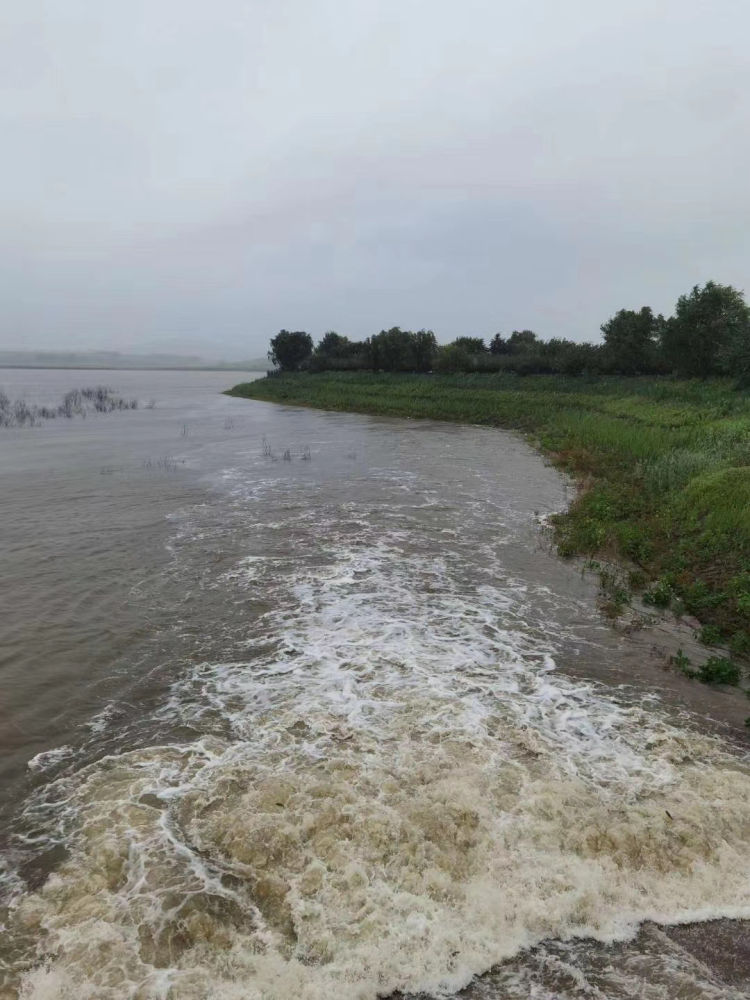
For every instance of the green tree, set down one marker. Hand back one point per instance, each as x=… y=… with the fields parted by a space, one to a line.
x=522 y=342
x=333 y=345
x=453 y=358
x=390 y=349
x=471 y=345
x=580 y=359
x=398 y=350
x=498 y=345
x=337 y=353
x=709 y=331
x=424 y=348
x=735 y=357
x=630 y=341
x=289 y=349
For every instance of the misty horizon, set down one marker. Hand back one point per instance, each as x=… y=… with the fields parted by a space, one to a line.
x=186 y=180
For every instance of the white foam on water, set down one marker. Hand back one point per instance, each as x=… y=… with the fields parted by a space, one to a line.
x=48 y=759
x=396 y=792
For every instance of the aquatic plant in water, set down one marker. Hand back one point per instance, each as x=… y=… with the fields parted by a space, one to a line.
x=75 y=402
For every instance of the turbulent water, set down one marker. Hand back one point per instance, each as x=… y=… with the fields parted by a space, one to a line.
x=286 y=720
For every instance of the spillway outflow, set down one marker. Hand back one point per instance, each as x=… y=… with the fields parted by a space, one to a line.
x=392 y=790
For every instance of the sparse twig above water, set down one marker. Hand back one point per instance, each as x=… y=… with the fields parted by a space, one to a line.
x=75 y=403
x=162 y=464
x=287 y=454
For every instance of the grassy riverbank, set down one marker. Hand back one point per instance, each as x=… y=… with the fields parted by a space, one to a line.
x=663 y=468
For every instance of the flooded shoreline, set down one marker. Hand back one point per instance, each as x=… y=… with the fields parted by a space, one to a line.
x=334 y=743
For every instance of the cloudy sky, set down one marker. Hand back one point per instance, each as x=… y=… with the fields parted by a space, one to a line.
x=195 y=175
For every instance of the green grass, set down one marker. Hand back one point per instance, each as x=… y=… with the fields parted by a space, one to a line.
x=663 y=467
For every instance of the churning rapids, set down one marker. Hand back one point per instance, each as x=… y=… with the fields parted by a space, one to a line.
x=301 y=726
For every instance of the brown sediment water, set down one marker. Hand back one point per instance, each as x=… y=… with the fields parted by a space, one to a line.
x=303 y=705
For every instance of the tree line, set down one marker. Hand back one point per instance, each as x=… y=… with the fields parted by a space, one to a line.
x=708 y=334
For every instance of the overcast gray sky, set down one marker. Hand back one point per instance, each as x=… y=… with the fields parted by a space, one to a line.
x=195 y=175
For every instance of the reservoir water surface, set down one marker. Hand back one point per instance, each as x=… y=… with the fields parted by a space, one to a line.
x=303 y=705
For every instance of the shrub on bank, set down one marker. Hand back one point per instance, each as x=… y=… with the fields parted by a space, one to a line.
x=719 y=670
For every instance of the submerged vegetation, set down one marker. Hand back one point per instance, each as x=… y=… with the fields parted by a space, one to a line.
x=663 y=467
x=75 y=403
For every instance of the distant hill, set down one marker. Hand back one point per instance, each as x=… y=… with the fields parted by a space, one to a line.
x=114 y=359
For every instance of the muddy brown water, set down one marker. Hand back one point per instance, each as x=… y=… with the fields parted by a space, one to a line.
x=303 y=704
